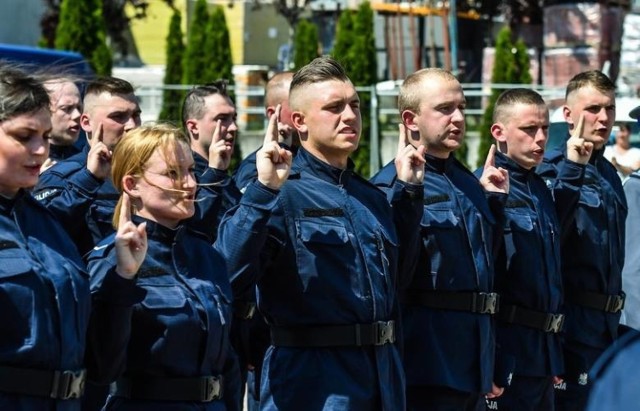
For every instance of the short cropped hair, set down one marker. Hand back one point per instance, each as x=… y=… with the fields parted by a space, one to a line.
x=110 y=85
x=20 y=93
x=511 y=97
x=591 y=78
x=409 y=97
x=194 y=104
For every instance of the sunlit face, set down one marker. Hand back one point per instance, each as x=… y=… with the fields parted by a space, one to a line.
x=217 y=107
x=117 y=114
x=599 y=113
x=66 y=108
x=328 y=120
x=24 y=146
x=439 y=125
x=524 y=131
x=166 y=191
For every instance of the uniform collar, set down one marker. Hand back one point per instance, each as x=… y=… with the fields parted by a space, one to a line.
x=158 y=231
x=305 y=161
x=7 y=204
x=513 y=167
x=58 y=152
x=437 y=164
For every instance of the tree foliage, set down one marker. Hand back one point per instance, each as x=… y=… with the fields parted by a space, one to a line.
x=81 y=28
x=305 y=43
x=196 y=57
x=218 y=48
x=511 y=66
x=173 y=72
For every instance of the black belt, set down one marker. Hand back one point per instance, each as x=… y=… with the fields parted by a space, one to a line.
x=244 y=310
x=61 y=385
x=597 y=301
x=547 y=322
x=202 y=389
x=480 y=303
x=379 y=333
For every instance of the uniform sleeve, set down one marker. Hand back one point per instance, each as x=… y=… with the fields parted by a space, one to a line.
x=243 y=237
x=407 y=206
x=631 y=270
x=113 y=298
x=216 y=195
x=566 y=192
x=68 y=197
x=233 y=386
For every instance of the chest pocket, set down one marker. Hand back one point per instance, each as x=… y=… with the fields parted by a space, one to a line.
x=323 y=233
x=589 y=214
x=19 y=297
x=518 y=221
x=164 y=298
x=440 y=218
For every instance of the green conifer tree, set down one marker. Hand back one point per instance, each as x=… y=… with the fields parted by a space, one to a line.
x=82 y=29
x=305 y=43
x=511 y=66
x=196 y=57
x=218 y=48
x=344 y=39
x=171 y=99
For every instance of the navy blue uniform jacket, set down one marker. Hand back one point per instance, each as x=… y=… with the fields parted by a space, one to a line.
x=44 y=298
x=441 y=347
x=593 y=247
x=172 y=321
x=326 y=250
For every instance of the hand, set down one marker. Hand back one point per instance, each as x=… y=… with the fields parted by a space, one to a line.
x=131 y=242
x=99 y=157
x=272 y=161
x=578 y=150
x=495 y=391
x=221 y=149
x=494 y=179
x=409 y=160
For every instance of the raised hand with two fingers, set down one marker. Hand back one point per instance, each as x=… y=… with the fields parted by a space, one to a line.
x=578 y=149
x=273 y=162
x=99 y=157
x=494 y=179
x=221 y=148
x=131 y=242
x=409 y=160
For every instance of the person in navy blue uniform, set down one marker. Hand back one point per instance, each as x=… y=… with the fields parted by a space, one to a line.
x=78 y=190
x=616 y=376
x=528 y=276
x=161 y=295
x=276 y=92
x=631 y=270
x=209 y=119
x=66 y=108
x=44 y=287
x=592 y=249
x=327 y=253
x=448 y=331
x=255 y=338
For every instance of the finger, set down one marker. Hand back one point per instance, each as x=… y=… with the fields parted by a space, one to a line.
x=491 y=157
x=272 y=128
x=578 y=130
x=125 y=210
x=402 y=137
x=216 y=132
x=98 y=133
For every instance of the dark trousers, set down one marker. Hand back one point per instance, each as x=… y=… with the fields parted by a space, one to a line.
x=430 y=398
x=573 y=393
x=571 y=396
x=527 y=394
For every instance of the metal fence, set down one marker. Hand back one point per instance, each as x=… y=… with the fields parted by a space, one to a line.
x=383 y=110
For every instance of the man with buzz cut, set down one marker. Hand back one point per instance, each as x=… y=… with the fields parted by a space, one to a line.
x=327 y=253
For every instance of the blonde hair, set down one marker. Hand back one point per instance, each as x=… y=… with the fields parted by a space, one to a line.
x=132 y=153
x=410 y=96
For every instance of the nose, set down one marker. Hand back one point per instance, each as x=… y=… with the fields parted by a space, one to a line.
x=131 y=124
x=40 y=147
x=349 y=112
x=457 y=116
x=190 y=181
x=75 y=114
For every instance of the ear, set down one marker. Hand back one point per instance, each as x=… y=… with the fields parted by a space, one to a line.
x=298 y=119
x=409 y=120
x=566 y=112
x=497 y=131
x=192 y=128
x=130 y=186
x=85 y=123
